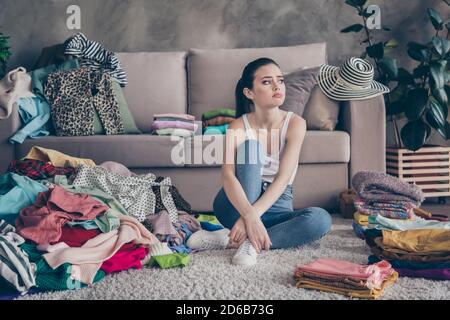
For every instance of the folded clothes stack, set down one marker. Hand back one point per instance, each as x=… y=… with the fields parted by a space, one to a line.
x=380 y=194
x=174 y=124
x=217 y=121
x=343 y=277
x=423 y=251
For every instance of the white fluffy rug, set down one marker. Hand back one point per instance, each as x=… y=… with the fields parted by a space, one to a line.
x=210 y=275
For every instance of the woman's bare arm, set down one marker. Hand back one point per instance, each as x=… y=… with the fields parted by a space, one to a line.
x=294 y=141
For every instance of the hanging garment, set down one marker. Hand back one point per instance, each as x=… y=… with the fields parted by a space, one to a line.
x=15 y=267
x=95 y=56
x=73 y=95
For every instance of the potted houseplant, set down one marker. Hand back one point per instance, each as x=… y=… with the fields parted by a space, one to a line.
x=421 y=95
x=5 y=54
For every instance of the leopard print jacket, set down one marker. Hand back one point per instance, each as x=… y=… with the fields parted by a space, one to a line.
x=73 y=95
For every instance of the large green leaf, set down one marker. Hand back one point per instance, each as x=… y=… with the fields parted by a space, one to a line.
x=396 y=107
x=416 y=103
x=404 y=77
x=441 y=46
x=353 y=28
x=417 y=51
x=414 y=134
x=437 y=70
x=441 y=96
x=389 y=66
x=356 y=3
x=436 y=112
x=399 y=92
x=435 y=19
x=376 y=51
x=421 y=71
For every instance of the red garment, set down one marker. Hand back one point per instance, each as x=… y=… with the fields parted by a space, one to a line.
x=77 y=236
x=43 y=221
x=129 y=256
x=36 y=169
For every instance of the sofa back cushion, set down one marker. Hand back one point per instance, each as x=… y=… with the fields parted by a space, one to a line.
x=156 y=84
x=213 y=73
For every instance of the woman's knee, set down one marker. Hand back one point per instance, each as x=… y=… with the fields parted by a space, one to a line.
x=320 y=220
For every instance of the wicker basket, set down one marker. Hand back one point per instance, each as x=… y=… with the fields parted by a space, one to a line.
x=428 y=168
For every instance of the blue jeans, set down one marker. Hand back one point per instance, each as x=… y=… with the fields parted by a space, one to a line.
x=286 y=227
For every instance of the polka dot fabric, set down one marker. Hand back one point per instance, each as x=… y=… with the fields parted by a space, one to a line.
x=134 y=193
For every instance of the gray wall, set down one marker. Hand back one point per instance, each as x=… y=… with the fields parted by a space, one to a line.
x=171 y=25
x=165 y=25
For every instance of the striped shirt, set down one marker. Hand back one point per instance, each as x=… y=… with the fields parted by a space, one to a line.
x=15 y=267
x=92 y=54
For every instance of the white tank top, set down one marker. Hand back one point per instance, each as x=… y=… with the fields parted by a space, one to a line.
x=272 y=162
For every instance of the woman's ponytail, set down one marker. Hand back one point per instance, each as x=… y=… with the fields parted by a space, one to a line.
x=242 y=102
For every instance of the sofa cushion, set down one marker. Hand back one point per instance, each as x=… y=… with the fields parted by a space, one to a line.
x=133 y=151
x=213 y=73
x=299 y=85
x=318 y=147
x=321 y=113
x=156 y=84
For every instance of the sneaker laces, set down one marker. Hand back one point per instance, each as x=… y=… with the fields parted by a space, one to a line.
x=211 y=243
x=246 y=248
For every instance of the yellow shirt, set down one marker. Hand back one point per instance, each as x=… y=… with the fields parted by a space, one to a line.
x=57 y=158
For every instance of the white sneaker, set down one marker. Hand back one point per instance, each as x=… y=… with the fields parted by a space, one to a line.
x=245 y=255
x=212 y=240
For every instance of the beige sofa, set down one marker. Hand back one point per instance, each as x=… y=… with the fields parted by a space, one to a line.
x=200 y=80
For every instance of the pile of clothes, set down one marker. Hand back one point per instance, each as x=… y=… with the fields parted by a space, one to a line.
x=343 y=277
x=66 y=222
x=415 y=246
x=385 y=195
x=79 y=95
x=217 y=121
x=174 y=124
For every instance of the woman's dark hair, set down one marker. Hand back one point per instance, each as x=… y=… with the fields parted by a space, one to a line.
x=246 y=81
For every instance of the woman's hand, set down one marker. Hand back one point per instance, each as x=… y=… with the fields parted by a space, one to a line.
x=257 y=233
x=238 y=233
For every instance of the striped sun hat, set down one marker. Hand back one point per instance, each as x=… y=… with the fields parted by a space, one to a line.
x=352 y=81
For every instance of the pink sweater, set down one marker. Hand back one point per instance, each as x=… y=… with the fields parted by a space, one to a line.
x=374 y=274
x=88 y=259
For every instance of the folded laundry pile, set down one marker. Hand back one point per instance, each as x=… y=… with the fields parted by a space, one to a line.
x=174 y=124
x=217 y=121
x=387 y=220
x=343 y=277
x=380 y=194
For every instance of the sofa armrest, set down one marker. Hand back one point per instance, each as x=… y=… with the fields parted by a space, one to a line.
x=7 y=128
x=365 y=122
